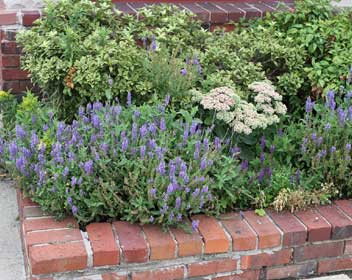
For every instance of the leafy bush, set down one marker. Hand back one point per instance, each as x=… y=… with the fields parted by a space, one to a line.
x=8 y=105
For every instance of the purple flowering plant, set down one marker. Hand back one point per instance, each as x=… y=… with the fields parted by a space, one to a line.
x=144 y=164
x=326 y=145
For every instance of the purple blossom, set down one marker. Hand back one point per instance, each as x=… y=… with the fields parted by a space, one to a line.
x=262 y=143
x=167 y=100
x=21 y=164
x=298 y=177
x=193 y=128
x=134 y=131
x=327 y=127
x=309 y=105
x=330 y=100
x=124 y=144
x=154 y=45
x=183 y=71
x=164 y=209
x=205 y=189
x=280 y=132
x=203 y=163
x=178 y=202
x=95 y=121
x=179 y=217
x=348 y=147
x=244 y=165
x=110 y=82
x=162 y=124
x=34 y=140
x=320 y=141
x=74 y=209
x=342 y=115
x=333 y=149
x=272 y=149
x=262 y=158
x=151 y=144
x=235 y=151
x=142 y=150
x=350 y=111
x=217 y=143
x=161 y=168
x=129 y=99
x=136 y=114
x=143 y=130
x=261 y=175
x=69 y=200
x=195 y=225
x=314 y=136
x=20 y=132
x=196 y=193
x=153 y=192
x=152 y=128
x=88 y=167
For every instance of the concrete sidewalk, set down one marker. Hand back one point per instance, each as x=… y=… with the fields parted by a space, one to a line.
x=11 y=255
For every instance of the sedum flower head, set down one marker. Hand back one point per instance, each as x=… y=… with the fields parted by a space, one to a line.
x=219 y=99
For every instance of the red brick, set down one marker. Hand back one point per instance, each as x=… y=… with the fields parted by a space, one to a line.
x=318 y=228
x=291 y=271
x=8 y=35
x=345 y=205
x=215 y=240
x=161 y=244
x=294 y=233
x=330 y=249
x=243 y=237
x=189 y=244
x=331 y=265
x=268 y=234
x=48 y=223
x=266 y=259
x=102 y=240
x=8 y=18
x=10 y=60
x=234 y=13
x=14 y=74
x=246 y=275
x=134 y=247
x=29 y=17
x=14 y=86
x=217 y=15
x=114 y=276
x=211 y=267
x=52 y=236
x=57 y=258
x=26 y=201
x=8 y=47
x=251 y=12
x=169 y=273
x=200 y=13
x=341 y=224
x=348 y=247
x=33 y=211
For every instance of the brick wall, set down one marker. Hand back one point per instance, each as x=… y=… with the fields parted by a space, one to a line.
x=19 y=14
x=237 y=246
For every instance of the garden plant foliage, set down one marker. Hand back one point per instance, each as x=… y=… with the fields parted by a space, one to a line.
x=258 y=117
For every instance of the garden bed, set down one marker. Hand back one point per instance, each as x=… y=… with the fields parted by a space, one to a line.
x=235 y=246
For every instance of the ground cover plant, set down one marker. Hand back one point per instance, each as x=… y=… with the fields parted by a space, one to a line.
x=255 y=118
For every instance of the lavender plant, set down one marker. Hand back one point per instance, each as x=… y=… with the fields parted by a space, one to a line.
x=141 y=164
x=327 y=143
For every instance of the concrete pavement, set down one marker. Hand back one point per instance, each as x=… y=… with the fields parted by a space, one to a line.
x=11 y=256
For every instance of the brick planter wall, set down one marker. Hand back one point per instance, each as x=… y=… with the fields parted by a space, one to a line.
x=21 y=14
x=233 y=247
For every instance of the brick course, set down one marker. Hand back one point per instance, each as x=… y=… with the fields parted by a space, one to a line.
x=132 y=251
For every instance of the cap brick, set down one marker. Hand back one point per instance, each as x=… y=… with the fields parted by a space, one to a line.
x=57 y=258
x=215 y=240
x=189 y=244
x=134 y=247
x=161 y=244
x=294 y=233
x=268 y=234
x=318 y=228
x=48 y=223
x=243 y=237
x=52 y=236
x=341 y=224
x=102 y=240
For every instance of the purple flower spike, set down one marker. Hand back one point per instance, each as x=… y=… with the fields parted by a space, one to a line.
x=153 y=192
x=330 y=100
x=74 y=210
x=183 y=72
x=195 y=225
x=333 y=149
x=309 y=105
x=142 y=150
x=20 y=132
x=129 y=99
x=124 y=144
x=162 y=124
x=327 y=127
x=161 y=168
x=203 y=163
x=348 y=147
x=244 y=165
x=342 y=115
x=262 y=143
x=88 y=167
x=178 y=202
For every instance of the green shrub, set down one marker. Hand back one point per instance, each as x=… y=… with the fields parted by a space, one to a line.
x=8 y=105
